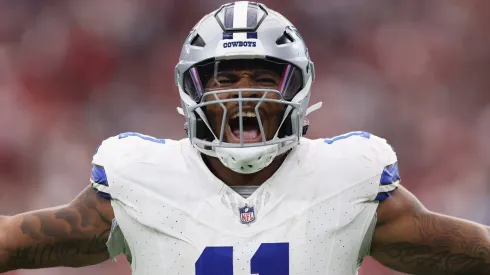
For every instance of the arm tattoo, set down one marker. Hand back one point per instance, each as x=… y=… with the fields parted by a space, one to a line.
x=74 y=235
x=66 y=253
x=446 y=246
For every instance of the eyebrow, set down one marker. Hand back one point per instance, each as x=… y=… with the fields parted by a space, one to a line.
x=264 y=71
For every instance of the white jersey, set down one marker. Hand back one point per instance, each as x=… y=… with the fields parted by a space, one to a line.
x=313 y=216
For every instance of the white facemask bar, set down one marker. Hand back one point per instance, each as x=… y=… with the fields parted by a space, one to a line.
x=313 y=108
x=218 y=142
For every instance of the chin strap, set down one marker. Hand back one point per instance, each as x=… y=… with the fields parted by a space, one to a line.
x=181 y=111
x=313 y=108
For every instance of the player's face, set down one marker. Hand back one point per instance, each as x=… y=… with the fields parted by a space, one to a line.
x=242 y=78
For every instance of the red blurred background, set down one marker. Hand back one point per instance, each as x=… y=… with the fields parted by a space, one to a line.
x=73 y=73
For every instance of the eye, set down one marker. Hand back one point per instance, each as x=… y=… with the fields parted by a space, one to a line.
x=267 y=81
x=226 y=80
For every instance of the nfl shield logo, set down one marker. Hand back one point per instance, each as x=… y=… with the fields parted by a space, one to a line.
x=247 y=214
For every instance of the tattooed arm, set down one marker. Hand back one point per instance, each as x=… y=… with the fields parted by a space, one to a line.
x=72 y=235
x=411 y=239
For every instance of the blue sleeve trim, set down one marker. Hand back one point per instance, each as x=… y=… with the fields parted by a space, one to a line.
x=383 y=196
x=104 y=195
x=390 y=174
x=98 y=175
x=334 y=139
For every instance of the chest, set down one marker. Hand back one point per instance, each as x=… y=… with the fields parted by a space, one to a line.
x=278 y=234
x=297 y=223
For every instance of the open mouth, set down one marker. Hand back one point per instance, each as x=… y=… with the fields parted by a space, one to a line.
x=251 y=130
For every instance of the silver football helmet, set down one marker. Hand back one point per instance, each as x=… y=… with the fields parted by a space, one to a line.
x=250 y=32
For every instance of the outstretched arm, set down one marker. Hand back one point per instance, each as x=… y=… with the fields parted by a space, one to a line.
x=71 y=235
x=411 y=239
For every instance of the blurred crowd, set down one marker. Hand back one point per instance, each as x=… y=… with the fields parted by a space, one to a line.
x=73 y=73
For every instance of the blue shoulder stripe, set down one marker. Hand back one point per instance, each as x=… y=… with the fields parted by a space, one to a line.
x=334 y=139
x=390 y=174
x=145 y=137
x=98 y=175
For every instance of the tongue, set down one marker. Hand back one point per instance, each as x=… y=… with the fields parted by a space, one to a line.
x=247 y=132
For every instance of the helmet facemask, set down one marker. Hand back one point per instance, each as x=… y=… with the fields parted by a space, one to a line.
x=243 y=113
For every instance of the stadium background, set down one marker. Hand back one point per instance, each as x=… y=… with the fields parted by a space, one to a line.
x=75 y=72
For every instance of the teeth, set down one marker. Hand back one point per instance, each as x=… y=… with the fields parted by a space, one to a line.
x=244 y=114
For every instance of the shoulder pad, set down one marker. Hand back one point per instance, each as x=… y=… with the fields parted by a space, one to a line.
x=119 y=148
x=115 y=153
x=375 y=152
x=367 y=144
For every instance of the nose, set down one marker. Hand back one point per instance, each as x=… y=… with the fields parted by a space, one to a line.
x=244 y=83
x=245 y=94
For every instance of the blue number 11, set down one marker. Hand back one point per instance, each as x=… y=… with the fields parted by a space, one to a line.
x=269 y=259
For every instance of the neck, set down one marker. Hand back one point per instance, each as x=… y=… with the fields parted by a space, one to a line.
x=232 y=178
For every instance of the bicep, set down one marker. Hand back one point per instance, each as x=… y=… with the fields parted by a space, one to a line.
x=71 y=235
x=411 y=239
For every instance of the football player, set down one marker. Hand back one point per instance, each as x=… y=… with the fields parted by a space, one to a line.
x=245 y=193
